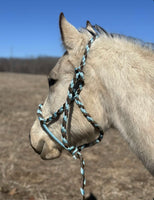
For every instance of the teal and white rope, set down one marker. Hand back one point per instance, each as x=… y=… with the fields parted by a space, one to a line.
x=74 y=90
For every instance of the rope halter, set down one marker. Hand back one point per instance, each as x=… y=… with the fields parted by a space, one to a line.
x=74 y=90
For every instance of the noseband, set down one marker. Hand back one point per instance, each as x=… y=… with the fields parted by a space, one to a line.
x=74 y=90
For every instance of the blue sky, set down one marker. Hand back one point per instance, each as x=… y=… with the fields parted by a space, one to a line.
x=29 y=28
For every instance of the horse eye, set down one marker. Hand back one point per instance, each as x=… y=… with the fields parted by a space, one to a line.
x=51 y=81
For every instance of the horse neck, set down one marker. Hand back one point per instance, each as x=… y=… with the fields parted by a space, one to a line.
x=122 y=71
x=127 y=76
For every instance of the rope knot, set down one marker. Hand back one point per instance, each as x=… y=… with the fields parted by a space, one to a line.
x=79 y=73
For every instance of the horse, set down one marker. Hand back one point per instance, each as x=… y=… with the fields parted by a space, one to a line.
x=118 y=92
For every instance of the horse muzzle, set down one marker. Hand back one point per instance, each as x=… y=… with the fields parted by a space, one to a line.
x=43 y=146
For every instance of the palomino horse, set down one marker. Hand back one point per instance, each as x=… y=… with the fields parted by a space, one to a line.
x=118 y=91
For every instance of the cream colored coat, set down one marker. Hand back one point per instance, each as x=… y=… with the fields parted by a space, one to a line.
x=118 y=92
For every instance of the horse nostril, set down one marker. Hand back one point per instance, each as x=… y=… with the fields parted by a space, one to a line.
x=40 y=146
x=38 y=149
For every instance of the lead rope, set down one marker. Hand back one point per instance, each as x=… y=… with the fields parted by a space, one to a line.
x=74 y=90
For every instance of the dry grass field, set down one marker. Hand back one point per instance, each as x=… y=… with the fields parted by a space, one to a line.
x=113 y=172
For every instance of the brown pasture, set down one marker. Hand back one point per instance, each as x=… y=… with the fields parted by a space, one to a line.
x=113 y=172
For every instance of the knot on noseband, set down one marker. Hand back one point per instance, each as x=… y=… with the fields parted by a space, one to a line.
x=74 y=90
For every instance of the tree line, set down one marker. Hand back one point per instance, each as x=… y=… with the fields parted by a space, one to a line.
x=40 y=65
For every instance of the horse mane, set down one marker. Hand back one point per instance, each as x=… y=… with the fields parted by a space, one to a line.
x=101 y=31
x=134 y=40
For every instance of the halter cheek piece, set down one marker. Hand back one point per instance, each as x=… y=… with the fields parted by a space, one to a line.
x=74 y=90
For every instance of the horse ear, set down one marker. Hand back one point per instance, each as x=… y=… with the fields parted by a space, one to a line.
x=89 y=27
x=71 y=37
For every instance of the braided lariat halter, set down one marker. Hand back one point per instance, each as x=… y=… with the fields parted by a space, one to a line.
x=74 y=90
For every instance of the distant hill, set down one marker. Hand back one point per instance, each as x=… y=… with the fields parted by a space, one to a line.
x=40 y=65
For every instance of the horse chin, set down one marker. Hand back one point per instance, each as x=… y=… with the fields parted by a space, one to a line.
x=50 y=155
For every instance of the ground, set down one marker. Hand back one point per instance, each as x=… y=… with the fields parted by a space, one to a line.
x=113 y=172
